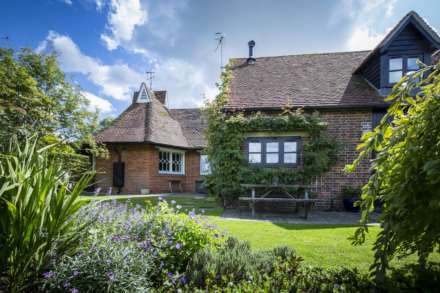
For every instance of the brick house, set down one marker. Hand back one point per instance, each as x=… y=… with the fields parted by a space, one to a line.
x=160 y=149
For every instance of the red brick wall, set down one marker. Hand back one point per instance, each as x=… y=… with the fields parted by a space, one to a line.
x=346 y=127
x=141 y=170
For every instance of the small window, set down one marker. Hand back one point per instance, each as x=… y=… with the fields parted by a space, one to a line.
x=272 y=153
x=171 y=162
x=255 y=152
x=290 y=155
x=398 y=67
x=396 y=70
x=205 y=167
x=279 y=151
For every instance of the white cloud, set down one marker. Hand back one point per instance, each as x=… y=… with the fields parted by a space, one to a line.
x=363 y=38
x=115 y=80
x=97 y=103
x=122 y=20
x=185 y=82
x=68 y=2
x=364 y=14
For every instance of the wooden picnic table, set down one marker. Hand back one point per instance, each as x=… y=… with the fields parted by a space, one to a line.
x=306 y=201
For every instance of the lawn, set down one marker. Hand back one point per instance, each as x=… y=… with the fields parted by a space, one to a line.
x=324 y=245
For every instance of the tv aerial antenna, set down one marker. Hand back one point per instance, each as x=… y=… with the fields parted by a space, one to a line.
x=150 y=77
x=220 y=38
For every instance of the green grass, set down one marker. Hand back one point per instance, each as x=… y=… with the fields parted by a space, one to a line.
x=323 y=245
x=211 y=206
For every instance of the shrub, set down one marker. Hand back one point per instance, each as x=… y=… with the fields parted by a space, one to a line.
x=38 y=203
x=234 y=262
x=351 y=192
x=132 y=249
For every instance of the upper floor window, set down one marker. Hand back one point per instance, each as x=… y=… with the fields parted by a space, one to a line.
x=400 y=66
x=273 y=151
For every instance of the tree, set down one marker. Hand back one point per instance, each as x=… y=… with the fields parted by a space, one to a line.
x=405 y=173
x=36 y=99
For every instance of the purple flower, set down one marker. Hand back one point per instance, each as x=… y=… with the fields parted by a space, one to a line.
x=74 y=290
x=144 y=245
x=48 y=275
x=216 y=235
x=192 y=214
x=75 y=273
x=161 y=264
x=178 y=245
x=183 y=280
x=170 y=275
x=111 y=276
x=66 y=284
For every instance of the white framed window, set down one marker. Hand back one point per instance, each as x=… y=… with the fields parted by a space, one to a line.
x=205 y=167
x=171 y=162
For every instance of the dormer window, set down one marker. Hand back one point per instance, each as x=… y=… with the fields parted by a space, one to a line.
x=399 y=66
x=143 y=96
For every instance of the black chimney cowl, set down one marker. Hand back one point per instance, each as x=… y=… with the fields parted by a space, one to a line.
x=251 y=59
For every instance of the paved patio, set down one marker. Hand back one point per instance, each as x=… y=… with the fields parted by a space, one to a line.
x=315 y=217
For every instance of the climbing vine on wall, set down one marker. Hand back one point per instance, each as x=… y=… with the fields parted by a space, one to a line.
x=226 y=134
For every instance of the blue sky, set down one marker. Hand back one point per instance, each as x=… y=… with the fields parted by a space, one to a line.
x=106 y=46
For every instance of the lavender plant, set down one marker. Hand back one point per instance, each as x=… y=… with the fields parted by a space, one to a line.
x=132 y=249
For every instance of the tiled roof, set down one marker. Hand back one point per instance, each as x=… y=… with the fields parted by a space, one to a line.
x=309 y=80
x=145 y=122
x=193 y=125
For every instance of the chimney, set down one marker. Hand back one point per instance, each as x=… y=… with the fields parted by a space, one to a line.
x=251 y=59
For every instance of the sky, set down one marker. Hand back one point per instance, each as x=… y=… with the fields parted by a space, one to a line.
x=105 y=47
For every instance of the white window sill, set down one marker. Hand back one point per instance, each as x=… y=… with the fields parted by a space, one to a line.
x=170 y=173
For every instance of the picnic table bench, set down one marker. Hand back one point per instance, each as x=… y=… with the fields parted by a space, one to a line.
x=290 y=198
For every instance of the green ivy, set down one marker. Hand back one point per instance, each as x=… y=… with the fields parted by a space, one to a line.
x=227 y=131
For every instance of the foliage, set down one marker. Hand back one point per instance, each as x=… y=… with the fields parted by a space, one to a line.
x=351 y=192
x=35 y=98
x=226 y=133
x=234 y=262
x=235 y=268
x=130 y=249
x=38 y=203
x=104 y=123
x=406 y=171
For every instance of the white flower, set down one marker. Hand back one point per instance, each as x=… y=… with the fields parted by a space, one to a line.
x=173 y=202
x=178 y=206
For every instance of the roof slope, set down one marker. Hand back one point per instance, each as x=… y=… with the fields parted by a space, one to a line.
x=309 y=80
x=145 y=122
x=193 y=125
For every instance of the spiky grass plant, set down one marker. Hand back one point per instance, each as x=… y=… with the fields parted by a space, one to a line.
x=38 y=203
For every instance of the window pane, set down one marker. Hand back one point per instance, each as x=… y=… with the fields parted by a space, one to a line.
x=272 y=158
x=395 y=76
x=255 y=147
x=412 y=64
x=272 y=147
x=290 y=147
x=164 y=161
x=254 y=158
x=205 y=168
x=396 y=64
x=290 y=158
